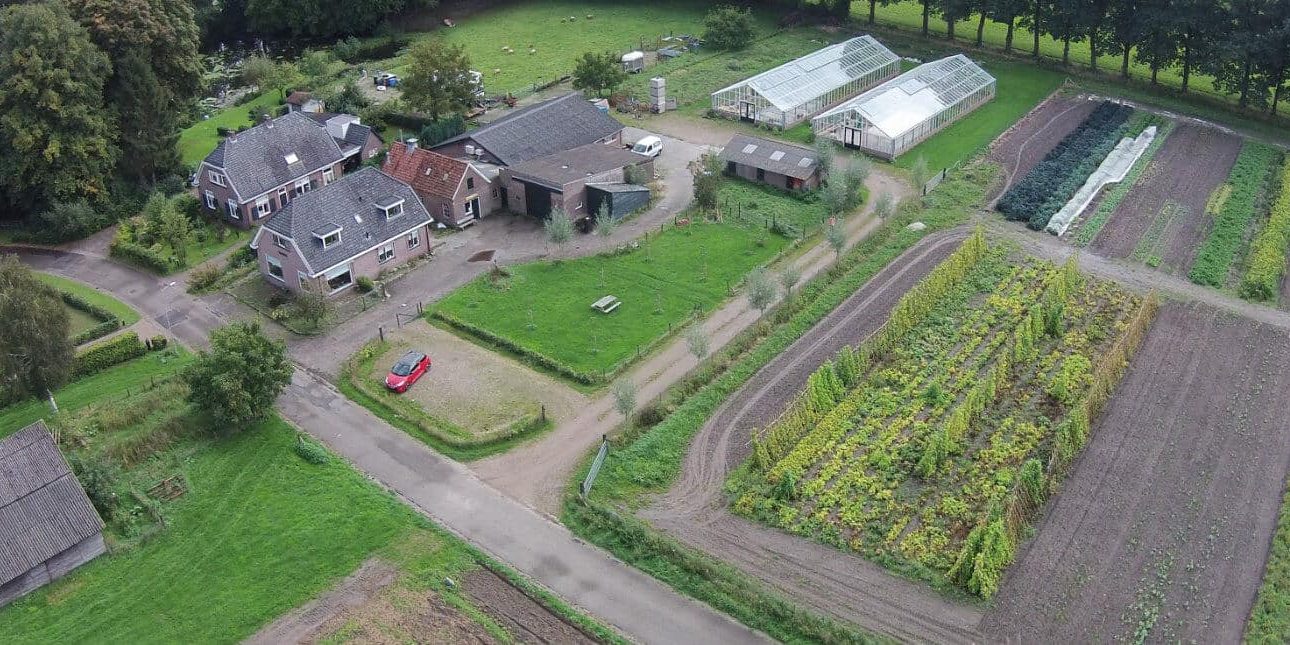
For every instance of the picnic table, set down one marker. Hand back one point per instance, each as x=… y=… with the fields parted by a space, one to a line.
x=606 y=304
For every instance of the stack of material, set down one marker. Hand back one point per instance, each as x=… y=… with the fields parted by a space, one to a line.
x=657 y=95
x=1112 y=170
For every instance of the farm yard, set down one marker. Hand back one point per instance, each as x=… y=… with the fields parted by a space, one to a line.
x=1163 y=527
x=929 y=444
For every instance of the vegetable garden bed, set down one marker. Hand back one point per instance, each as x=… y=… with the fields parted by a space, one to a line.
x=1234 y=205
x=927 y=447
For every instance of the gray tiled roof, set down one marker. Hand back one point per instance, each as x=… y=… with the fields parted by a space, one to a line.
x=760 y=152
x=255 y=160
x=567 y=166
x=343 y=203
x=355 y=135
x=43 y=510
x=538 y=130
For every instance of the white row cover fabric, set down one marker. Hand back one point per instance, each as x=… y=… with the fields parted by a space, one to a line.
x=1112 y=170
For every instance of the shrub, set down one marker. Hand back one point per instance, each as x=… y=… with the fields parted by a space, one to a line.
x=243 y=256
x=67 y=221
x=1268 y=252
x=107 y=354
x=728 y=27
x=203 y=278
x=442 y=129
x=97 y=331
x=364 y=284
x=140 y=255
x=278 y=298
x=158 y=342
x=1233 y=209
x=100 y=480
x=172 y=185
x=311 y=452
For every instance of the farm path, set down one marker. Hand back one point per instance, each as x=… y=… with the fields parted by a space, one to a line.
x=538 y=472
x=820 y=576
x=623 y=597
x=1164 y=525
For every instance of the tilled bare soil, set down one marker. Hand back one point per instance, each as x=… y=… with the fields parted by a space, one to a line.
x=1024 y=145
x=1163 y=528
x=815 y=575
x=522 y=616
x=1193 y=161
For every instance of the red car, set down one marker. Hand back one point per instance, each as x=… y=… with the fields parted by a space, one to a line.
x=411 y=367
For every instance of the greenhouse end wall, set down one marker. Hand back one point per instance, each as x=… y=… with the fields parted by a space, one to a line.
x=871 y=140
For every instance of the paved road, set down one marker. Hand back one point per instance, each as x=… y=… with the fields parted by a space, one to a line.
x=619 y=595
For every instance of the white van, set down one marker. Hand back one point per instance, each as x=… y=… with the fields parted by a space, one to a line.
x=650 y=146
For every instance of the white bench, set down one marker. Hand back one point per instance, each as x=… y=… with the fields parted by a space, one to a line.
x=606 y=304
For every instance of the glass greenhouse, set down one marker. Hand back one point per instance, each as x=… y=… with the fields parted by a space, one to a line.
x=792 y=92
x=897 y=115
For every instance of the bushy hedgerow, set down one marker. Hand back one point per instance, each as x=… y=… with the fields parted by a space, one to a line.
x=1051 y=183
x=142 y=256
x=107 y=354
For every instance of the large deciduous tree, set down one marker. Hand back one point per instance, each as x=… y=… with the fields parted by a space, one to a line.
x=728 y=27
x=56 y=137
x=237 y=381
x=35 y=353
x=323 y=18
x=438 y=79
x=598 y=72
x=1126 y=27
x=1157 y=49
x=1007 y=12
x=952 y=11
x=1066 y=21
x=165 y=32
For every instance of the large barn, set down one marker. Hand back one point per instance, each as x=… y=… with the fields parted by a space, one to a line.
x=897 y=115
x=47 y=525
x=793 y=92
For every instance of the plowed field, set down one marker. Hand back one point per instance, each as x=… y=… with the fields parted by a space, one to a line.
x=1162 y=530
x=1162 y=221
x=1024 y=145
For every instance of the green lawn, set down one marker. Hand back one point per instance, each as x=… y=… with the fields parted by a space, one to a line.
x=206 y=244
x=122 y=311
x=199 y=139
x=909 y=17
x=109 y=384
x=544 y=308
x=615 y=26
x=1021 y=86
x=260 y=532
x=762 y=205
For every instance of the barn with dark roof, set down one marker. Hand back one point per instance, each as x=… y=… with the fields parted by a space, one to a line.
x=48 y=526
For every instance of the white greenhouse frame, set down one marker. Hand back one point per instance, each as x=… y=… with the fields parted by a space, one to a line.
x=791 y=93
x=902 y=112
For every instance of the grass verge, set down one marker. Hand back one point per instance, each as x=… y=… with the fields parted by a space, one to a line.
x=1270 y=618
x=89 y=294
x=444 y=436
x=646 y=459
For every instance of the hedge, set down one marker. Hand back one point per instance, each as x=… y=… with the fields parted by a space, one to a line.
x=535 y=358
x=142 y=256
x=1247 y=181
x=107 y=354
x=1268 y=253
x=97 y=331
x=108 y=323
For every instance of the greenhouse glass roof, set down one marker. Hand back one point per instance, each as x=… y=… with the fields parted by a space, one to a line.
x=917 y=95
x=819 y=72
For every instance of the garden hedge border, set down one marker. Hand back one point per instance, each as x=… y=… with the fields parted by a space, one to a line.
x=97 y=358
x=108 y=322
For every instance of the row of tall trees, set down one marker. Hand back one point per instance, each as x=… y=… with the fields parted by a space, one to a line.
x=1243 y=44
x=93 y=94
x=231 y=20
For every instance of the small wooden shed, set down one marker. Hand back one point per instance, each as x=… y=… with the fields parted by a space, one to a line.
x=48 y=526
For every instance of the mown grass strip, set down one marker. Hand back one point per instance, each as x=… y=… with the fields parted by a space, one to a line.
x=122 y=311
x=1093 y=225
x=1246 y=197
x=647 y=459
x=1262 y=280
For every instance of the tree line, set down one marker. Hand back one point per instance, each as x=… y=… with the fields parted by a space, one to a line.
x=1243 y=44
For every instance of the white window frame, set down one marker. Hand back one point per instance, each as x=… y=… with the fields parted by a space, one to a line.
x=279 y=241
x=469 y=208
x=303 y=186
x=211 y=202
x=414 y=239
x=274 y=263
x=381 y=253
x=216 y=178
x=336 y=272
x=283 y=196
x=329 y=176
x=262 y=208
x=233 y=210
x=326 y=244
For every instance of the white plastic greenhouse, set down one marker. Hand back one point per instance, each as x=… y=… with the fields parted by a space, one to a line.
x=897 y=115
x=792 y=92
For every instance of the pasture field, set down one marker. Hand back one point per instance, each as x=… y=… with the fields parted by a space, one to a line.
x=542 y=311
x=930 y=443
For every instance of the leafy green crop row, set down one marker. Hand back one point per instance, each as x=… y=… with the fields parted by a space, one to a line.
x=1270 y=618
x=1268 y=254
x=1051 y=183
x=1246 y=187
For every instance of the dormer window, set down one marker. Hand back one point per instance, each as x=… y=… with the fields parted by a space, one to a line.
x=216 y=178
x=391 y=206
x=303 y=186
x=292 y=158
x=328 y=234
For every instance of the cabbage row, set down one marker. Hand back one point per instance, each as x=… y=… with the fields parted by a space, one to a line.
x=1052 y=182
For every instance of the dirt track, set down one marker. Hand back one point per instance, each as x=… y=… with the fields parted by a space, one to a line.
x=1164 y=525
x=816 y=575
x=1193 y=161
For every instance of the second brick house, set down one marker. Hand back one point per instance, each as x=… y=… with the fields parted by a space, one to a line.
x=359 y=226
x=255 y=173
x=455 y=191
